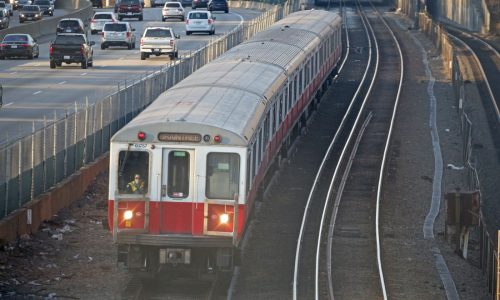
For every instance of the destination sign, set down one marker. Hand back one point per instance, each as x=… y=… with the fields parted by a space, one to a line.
x=179 y=137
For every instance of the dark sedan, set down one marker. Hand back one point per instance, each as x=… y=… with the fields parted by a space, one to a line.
x=198 y=3
x=30 y=13
x=4 y=19
x=18 y=45
x=218 y=5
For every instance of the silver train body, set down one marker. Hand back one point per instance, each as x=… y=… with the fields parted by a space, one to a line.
x=205 y=146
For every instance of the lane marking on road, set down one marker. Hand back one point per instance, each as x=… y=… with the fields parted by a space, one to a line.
x=62 y=82
x=8 y=104
x=37 y=65
x=13 y=73
x=36 y=93
x=121 y=58
x=83 y=74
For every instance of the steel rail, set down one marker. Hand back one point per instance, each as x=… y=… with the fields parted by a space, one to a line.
x=488 y=87
x=349 y=139
x=320 y=170
x=386 y=150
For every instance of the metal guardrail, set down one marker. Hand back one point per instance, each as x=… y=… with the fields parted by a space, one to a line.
x=34 y=164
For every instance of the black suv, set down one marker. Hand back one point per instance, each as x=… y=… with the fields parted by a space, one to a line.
x=97 y=3
x=220 y=5
x=70 y=25
x=45 y=6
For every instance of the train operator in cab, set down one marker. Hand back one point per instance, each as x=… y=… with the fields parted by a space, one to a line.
x=136 y=186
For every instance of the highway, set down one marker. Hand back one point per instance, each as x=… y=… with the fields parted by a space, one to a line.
x=33 y=91
x=14 y=20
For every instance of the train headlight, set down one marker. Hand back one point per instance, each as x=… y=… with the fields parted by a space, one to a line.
x=128 y=214
x=224 y=218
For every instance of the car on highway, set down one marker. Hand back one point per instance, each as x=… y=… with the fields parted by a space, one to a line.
x=21 y=3
x=200 y=21
x=30 y=13
x=19 y=45
x=117 y=4
x=155 y=3
x=118 y=34
x=218 y=5
x=172 y=9
x=159 y=41
x=71 y=48
x=97 y=3
x=7 y=7
x=45 y=6
x=99 y=19
x=70 y=25
x=199 y=3
x=130 y=9
x=4 y=19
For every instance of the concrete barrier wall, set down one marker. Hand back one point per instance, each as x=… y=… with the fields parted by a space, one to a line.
x=83 y=10
x=48 y=204
x=473 y=15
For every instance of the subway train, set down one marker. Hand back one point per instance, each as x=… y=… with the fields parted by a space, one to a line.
x=184 y=174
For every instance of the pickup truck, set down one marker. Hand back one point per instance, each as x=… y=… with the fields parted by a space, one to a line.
x=71 y=48
x=159 y=41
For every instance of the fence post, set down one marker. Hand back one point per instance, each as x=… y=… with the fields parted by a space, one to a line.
x=44 y=153
x=20 y=171
x=75 y=136
x=85 y=132
x=66 y=144
x=55 y=147
x=32 y=190
x=7 y=179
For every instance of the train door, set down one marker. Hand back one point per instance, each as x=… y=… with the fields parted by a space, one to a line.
x=177 y=191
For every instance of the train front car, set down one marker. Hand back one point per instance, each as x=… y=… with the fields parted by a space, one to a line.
x=185 y=172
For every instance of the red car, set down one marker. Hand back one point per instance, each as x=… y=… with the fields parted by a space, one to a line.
x=130 y=9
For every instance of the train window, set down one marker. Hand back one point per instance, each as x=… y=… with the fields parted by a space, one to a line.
x=308 y=71
x=280 y=109
x=290 y=92
x=223 y=175
x=266 y=130
x=254 y=159
x=295 y=88
x=178 y=174
x=249 y=168
x=133 y=172
x=271 y=119
x=301 y=81
x=288 y=99
x=262 y=145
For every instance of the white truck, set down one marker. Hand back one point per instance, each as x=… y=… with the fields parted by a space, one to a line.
x=159 y=41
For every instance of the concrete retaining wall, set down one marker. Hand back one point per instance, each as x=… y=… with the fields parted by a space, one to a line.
x=473 y=15
x=48 y=204
x=83 y=10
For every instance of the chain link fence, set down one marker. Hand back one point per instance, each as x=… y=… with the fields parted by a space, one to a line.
x=35 y=163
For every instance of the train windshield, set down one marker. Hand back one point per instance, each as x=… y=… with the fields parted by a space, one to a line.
x=133 y=172
x=223 y=175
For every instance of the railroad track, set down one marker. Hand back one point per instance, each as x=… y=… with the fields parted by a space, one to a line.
x=339 y=232
x=487 y=60
x=172 y=286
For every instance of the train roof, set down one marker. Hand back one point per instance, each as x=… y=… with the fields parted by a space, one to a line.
x=229 y=95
